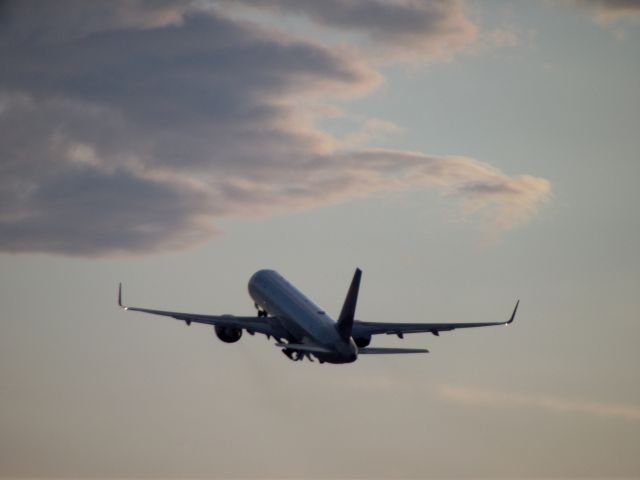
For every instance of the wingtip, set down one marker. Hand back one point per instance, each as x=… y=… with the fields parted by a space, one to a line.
x=513 y=315
x=120 y=296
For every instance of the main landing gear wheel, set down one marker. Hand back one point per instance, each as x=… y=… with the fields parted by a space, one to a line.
x=261 y=313
x=294 y=355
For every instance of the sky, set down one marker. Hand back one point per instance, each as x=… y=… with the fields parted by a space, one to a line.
x=463 y=154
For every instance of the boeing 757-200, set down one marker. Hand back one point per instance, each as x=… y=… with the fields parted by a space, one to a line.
x=302 y=329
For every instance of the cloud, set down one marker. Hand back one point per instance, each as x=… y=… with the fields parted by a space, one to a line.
x=507 y=201
x=42 y=22
x=134 y=128
x=608 y=10
x=401 y=29
x=500 y=399
x=370 y=130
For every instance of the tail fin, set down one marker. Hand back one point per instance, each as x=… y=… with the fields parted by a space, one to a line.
x=345 y=321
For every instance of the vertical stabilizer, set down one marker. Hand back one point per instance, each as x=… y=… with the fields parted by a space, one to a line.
x=345 y=321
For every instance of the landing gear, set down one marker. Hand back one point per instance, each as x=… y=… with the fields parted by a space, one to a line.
x=261 y=313
x=292 y=354
x=296 y=355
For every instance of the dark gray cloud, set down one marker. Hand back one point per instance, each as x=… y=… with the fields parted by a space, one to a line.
x=40 y=21
x=404 y=28
x=58 y=195
x=84 y=211
x=136 y=129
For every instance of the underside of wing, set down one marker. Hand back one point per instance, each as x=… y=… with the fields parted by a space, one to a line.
x=264 y=325
x=366 y=329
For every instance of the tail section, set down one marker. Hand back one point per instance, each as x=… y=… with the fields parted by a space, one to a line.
x=345 y=321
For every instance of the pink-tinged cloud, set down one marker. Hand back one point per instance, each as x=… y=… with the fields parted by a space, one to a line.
x=499 y=399
x=134 y=132
x=608 y=10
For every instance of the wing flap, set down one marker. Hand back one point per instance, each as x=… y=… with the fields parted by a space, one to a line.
x=304 y=347
x=364 y=329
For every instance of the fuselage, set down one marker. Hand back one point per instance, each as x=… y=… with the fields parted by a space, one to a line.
x=305 y=321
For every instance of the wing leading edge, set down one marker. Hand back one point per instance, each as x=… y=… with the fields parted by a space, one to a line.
x=366 y=329
x=250 y=324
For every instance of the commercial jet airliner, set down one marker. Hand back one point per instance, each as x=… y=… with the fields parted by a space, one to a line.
x=304 y=330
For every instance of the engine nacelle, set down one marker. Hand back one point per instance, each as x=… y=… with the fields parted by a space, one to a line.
x=228 y=334
x=362 y=342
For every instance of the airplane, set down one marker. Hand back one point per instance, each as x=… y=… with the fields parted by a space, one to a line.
x=304 y=330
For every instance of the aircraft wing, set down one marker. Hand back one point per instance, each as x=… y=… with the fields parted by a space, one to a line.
x=365 y=329
x=254 y=324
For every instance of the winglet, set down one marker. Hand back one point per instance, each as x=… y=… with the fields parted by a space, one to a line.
x=513 y=315
x=120 y=297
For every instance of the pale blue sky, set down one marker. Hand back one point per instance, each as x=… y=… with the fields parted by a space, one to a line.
x=89 y=390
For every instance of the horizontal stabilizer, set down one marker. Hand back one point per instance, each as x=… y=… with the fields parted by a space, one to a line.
x=383 y=351
x=304 y=347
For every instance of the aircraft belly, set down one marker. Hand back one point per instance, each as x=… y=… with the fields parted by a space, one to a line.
x=295 y=312
x=304 y=321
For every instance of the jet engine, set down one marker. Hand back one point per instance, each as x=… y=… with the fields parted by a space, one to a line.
x=362 y=342
x=228 y=334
